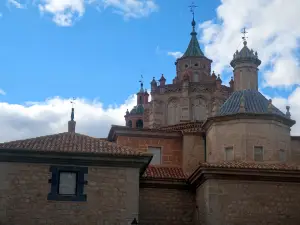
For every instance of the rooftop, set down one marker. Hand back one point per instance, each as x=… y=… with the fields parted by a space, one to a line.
x=70 y=142
x=162 y=172
x=254 y=102
x=250 y=165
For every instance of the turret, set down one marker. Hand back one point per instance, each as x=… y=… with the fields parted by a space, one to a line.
x=245 y=68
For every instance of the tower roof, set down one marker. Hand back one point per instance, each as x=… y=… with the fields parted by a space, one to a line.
x=193 y=49
x=245 y=55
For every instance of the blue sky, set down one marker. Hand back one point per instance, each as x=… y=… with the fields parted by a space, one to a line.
x=96 y=51
x=101 y=56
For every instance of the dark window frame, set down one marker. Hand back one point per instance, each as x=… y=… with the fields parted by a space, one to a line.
x=80 y=182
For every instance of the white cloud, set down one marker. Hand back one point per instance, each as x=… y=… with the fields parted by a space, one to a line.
x=2 y=92
x=67 y=12
x=294 y=103
x=176 y=55
x=41 y=118
x=16 y=4
x=273 y=31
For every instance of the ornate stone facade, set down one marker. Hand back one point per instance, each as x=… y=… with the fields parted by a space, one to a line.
x=192 y=95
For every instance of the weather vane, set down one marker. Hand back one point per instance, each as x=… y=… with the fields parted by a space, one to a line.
x=192 y=8
x=73 y=102
x=244 y=32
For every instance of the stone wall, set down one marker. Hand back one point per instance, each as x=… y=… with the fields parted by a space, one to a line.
x=112 y=197
x=224 y=202
x=295 y=148
x=162 y=206
x=193 y=152
x=243 y=135
x=171 y=147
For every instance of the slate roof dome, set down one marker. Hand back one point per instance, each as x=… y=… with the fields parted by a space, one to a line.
x=254 y=102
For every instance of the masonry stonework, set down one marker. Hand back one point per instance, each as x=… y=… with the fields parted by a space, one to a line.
x=228 y=202
x=171 y=148
x=243 y=135
x=112 y=197
x=161 y=206
x=193 y=152
x=295 y=148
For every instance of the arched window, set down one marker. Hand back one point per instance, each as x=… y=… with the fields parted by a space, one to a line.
x=173 y=112
x=141 y=100
x=139 y=124
x=199 y=109
x=129 y=123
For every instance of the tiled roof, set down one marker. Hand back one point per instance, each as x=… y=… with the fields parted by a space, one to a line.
x=163 y=172
x=250 y=165
x=187 y=127
x=194 y=47
x=70 y=142
x=254 y=101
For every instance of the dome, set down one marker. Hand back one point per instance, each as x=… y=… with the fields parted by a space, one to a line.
x=137 y=110
x=254 y=102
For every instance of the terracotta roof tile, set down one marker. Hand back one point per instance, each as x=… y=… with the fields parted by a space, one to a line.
x=70 y=142
x=251 y=165
x=163 y=172
x=187 y=127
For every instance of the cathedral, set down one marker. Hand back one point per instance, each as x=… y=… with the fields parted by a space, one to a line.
x=198 y=153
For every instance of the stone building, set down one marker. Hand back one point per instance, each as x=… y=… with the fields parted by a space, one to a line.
x=198 y=153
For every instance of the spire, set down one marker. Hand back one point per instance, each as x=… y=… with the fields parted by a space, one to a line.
x=72 y=122
x=194 y=47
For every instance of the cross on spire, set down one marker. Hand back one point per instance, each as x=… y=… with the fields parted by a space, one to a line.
x=192 y=9
x=244 y=32
x=142 y=83
x=73 y=102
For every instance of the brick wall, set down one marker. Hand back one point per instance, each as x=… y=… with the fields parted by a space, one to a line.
x=224 y=202
x=160 y=206
x=112 y=197
x=193 y=152
x=171 y=148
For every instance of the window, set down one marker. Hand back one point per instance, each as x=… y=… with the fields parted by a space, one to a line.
x=282 y=155
x=139 y=124
x=156 y=151
x=229 y=156
x=67 y=183
x=258 y=153
x=141 y=100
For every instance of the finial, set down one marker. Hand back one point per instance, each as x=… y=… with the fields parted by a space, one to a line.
x=192 y=9
x=142 y=84
x=242 y=104
x=244 y=32
x=270 y=106
x=288 y=114
x=72 y=112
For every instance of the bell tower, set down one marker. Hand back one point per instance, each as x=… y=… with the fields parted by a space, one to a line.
x=193 y=60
